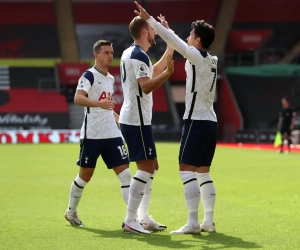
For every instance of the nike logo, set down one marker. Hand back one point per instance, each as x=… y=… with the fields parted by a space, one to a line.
x=124 y=157
x=76 y=197
x=144 y=223
x=99 y=82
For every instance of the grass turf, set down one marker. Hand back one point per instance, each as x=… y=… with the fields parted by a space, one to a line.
x=257 y=204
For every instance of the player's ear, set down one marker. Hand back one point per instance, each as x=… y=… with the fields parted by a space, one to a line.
x=144 y=31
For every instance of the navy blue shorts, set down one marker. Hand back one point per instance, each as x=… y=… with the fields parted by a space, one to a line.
x=112 y=151
x=198 y=142
x=140 y=142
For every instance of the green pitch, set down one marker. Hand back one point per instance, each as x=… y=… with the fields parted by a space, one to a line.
x=258 y=201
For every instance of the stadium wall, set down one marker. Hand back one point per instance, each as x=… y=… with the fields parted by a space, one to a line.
x=259 y=90
x=39 y=136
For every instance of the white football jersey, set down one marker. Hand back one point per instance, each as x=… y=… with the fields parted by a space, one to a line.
x=201 y=71
x=200 y=85
x=137 y=106
x=98 y=123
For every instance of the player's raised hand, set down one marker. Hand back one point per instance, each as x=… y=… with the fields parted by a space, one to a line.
x=142 y=12
x=163 y=21
x=170 y=64
x=107 y=103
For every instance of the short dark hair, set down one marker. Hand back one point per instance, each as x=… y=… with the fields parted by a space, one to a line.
x=98 y=44
x=136 y=25
x=205 y=31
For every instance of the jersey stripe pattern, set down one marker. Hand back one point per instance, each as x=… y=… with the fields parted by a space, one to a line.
x=137 y=106
x=201 y=71
x=200 y=85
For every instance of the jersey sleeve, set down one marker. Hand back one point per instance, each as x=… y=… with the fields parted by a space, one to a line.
x=190 y=53
x=140 y=64
x=86 y=81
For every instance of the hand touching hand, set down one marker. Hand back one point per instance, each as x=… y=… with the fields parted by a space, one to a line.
x=142 y=12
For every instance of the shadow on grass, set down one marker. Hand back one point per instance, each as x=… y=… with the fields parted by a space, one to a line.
x=154 y=239
x=203 y=241
x=210 y=240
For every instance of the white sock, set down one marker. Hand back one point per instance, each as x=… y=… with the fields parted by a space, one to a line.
x=192 y=196
x=136 y=193
x=208 y=194
x=125 y=180
x=143 y=207
x=75 y=194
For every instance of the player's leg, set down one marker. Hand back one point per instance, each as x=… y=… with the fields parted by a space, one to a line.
x=283 y=138
x=115 y=156
x=124 y=176
x=144 y=218
x=189 y=158
x=207 y=187
x=134 y=137
x=137 y=188
x=143 y=214
x=149 y=154
x=289 y=141
x=87 y=161
x=208 y=195
x=192 y=198
x=136 y=193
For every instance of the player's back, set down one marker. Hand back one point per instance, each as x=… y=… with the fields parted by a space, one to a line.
x=137 y=106
x=201 y=70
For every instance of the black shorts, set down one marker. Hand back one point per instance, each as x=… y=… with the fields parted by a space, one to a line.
x=285 y=130
x=198 y=142
x=112 y=151
x=140 y=142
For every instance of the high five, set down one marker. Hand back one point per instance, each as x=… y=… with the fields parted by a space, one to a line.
x=199 y=133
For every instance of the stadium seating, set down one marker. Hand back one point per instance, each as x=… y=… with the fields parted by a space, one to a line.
x=28 y=30
x=271 y=31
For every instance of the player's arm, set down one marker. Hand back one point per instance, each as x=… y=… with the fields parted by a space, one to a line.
x=85 y=83
x=149 y=84
x=170 y=37
x=160 y=66
x=280 y=121
x=81 y=99
x=293 y=121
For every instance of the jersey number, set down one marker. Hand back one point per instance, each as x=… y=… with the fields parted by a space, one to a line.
x=123 y=151
x=103 y=95
x=215 y=75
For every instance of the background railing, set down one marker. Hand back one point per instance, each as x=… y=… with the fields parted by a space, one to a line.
x=252 y=58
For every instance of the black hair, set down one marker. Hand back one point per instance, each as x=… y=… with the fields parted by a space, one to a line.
x=205 y=31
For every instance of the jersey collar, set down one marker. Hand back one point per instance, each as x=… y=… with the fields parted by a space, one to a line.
x=100 y=71
x=134 y=44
